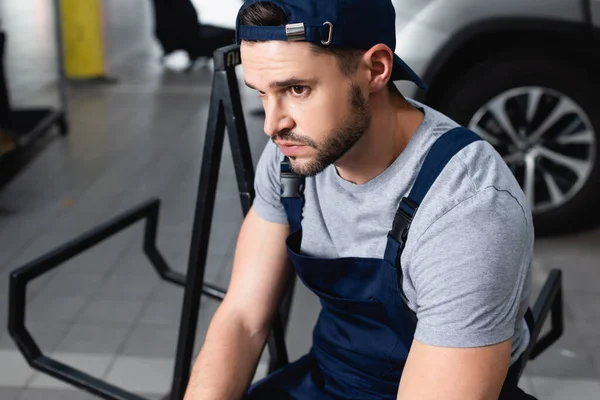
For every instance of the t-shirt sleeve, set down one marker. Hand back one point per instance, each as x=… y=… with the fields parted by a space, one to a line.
x=267 y=202
x=471 y=265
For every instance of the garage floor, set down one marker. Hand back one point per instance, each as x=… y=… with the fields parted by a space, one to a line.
x=106 y=311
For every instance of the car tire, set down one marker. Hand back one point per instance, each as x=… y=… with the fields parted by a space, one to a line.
x=468 y=97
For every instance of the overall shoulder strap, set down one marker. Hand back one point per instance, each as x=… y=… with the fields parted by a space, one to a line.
x=442 y=151
x=292 y=194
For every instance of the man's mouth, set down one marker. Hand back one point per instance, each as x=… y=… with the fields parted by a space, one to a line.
x=290 y=149
x=289 y=144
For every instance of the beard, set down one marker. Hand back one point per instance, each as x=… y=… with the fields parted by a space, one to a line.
x=339 y=142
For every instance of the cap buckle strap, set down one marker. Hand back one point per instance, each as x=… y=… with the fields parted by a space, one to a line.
x=295 y=32
x=330 y=38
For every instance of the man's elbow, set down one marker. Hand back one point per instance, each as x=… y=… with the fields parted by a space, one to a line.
x=443 y=373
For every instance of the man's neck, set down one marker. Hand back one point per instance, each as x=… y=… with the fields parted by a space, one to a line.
x=394 y=121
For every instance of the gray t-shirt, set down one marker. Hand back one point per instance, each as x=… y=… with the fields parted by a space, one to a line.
x=466 y=263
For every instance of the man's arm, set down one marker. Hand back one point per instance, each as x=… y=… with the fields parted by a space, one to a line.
x=443 y=373
x=238 y=331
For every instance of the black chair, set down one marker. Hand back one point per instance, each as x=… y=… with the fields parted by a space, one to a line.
x=177 y=27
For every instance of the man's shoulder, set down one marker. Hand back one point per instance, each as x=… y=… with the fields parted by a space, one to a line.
x=486 y=171
x=474 y=171
x=477 y=175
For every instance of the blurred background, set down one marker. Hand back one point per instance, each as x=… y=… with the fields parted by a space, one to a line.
x=126 y=122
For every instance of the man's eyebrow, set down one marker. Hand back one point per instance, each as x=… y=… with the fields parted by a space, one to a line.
x=285 y=83
x=290 y=82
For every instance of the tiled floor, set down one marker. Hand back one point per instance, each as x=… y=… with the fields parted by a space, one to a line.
x=106 y=311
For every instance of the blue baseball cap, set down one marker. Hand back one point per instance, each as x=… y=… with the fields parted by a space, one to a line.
x=352 y=24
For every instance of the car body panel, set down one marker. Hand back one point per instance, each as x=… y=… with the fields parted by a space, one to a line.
x=424 y=27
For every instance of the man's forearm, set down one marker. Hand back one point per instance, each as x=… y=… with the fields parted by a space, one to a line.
x=227 y=361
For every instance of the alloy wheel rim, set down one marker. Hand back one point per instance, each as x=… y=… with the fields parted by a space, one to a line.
x=545 y=138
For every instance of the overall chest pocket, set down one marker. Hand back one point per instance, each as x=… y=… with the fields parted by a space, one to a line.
x=369 y=306
x=357 y=332
x=358 y=325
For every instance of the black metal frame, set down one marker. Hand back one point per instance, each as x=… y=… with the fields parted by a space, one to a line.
x=225 y=111
x=549 y=301
x=22 y=276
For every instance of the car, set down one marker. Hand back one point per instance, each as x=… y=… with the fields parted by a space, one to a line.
x=524 y=76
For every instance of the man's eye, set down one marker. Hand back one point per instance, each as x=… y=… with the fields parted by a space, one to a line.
x=298 y=90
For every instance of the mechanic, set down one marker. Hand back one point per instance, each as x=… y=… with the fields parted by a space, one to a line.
x=411 y=230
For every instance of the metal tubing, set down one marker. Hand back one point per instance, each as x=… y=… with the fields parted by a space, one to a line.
x=16 y=319
x=69 y=250
x=22 y=276
x=82 y=380
x=549 y=301
x=238 y=139
x=211 y=159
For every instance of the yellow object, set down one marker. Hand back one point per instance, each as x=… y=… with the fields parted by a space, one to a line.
x=83 y=38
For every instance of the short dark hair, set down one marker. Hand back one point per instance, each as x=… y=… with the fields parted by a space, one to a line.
x=269 y=14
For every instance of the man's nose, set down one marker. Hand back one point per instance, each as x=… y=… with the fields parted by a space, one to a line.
x=276 y=119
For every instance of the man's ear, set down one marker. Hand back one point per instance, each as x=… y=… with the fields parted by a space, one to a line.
x=379 y=60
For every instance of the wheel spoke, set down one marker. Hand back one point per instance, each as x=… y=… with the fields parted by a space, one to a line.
x=556 y=195
x=529 y=184
x=564 y=106
x=533 y=101
x=578 y=166
x=585 y=137
x=513 y=158
x=497 y=109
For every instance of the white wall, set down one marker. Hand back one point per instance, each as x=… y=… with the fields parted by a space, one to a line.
x=218 y=12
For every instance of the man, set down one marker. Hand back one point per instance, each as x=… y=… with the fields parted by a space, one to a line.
x=413 y=233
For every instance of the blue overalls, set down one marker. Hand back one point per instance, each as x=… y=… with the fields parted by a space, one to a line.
x=365 y=329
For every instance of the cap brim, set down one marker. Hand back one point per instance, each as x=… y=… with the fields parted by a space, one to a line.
x=402 y=71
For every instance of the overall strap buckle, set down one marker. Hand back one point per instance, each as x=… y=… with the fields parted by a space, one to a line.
x=292 y=185
x=403 y=219
x=292 y=194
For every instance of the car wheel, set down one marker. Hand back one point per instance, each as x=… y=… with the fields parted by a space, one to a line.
x=541 y=116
